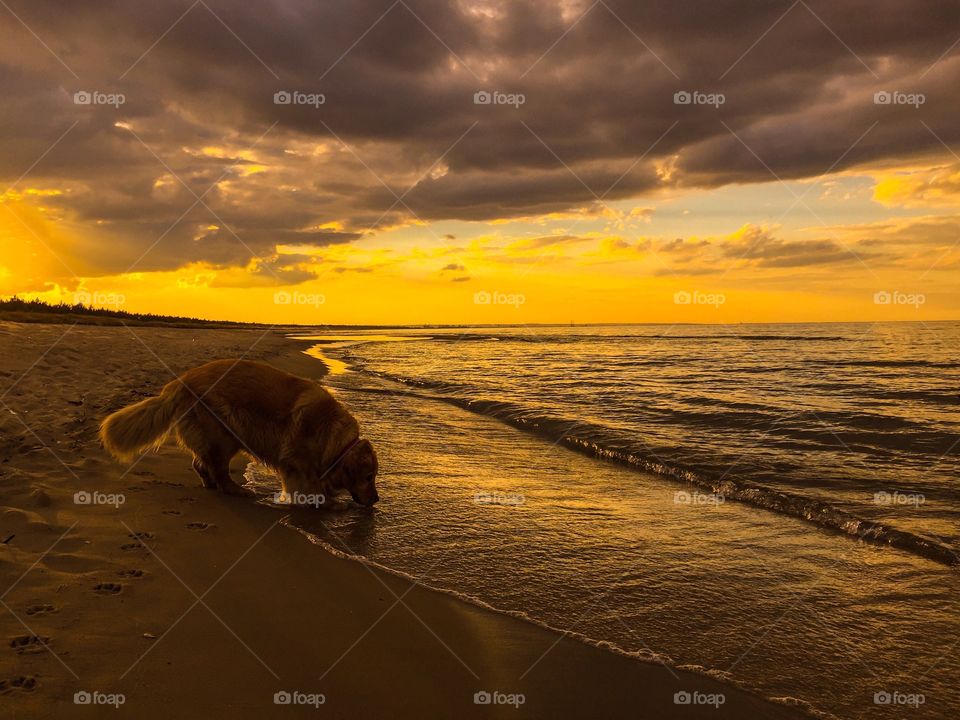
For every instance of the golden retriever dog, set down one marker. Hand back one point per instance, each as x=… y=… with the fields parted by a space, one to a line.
x=290 y=424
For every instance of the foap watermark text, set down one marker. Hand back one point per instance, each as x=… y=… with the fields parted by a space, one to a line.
x=84 y=497
x=99 y=299
x=296 y=697
x=299 y=498
x=95 y=697
x=896 y=497
x=496 y=297
x=496 y=697
x=696 y=97
x=895 y=97
x=95 y=97
x=498 y=498
x=683 y=497
x=695 y=697
x=296 y=97
x=495 y=97
x=285 y=297
x=895 y=297
x=696 y=297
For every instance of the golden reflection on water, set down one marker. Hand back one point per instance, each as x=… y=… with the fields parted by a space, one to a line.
x=334 y=366
x=338 y=367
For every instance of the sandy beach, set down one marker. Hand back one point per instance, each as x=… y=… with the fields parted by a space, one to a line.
x=168 y=600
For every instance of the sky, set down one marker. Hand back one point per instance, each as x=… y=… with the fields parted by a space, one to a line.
x=413 y=161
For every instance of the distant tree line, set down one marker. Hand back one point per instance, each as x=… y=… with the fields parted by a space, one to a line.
x=41 y=307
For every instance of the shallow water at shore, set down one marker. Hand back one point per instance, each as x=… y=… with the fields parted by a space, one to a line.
x=851 y=426
x=656 y=568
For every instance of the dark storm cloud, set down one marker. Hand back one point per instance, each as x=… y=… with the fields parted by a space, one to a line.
x=200 y=121
x=768 y=251
x=771 y=254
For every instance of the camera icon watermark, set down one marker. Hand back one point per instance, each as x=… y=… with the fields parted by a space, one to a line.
x=895 y=97
x=295 y=697
x=883 y=297
x=495 y=97
x=496 y=697
x=95 y=97
x=83 y=497
x=695 y=297
x=99 y=299
x=95 y=697
x=695 y=697
x=296 y=97
x=285 y=297
x=483 y=297
x=696 y=97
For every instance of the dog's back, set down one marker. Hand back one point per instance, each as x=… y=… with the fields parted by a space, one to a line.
x=264 y=407
x=233 y=404
x=243 y=391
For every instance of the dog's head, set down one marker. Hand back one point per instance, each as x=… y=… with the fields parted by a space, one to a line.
x=356 y=472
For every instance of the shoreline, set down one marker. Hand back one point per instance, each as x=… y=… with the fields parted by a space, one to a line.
x=649 y=659
x=178 y=597
x=818 y=513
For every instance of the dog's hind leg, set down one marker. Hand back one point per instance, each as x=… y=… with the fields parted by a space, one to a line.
x=220 y=469
x=212 y=447
x=205 y=476
x=191 y=435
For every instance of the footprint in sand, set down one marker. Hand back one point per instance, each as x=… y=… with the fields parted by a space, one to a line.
x=108 y=588
x=168 y=483
x=172 y=512
x=40 y=609
x=25 y=683
x=187 y=499
x=130 y=573
x=199 y=526
x=29 y=644
x=141 y=535
x=132 y=546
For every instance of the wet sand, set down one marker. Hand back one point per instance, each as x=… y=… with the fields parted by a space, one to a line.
x=185 y=603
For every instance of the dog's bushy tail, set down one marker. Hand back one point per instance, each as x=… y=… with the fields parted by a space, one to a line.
x=127 y=432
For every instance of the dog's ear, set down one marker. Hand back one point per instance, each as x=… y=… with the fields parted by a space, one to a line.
x=314 y=415
x=322 y=420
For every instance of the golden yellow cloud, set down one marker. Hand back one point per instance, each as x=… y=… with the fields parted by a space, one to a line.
x=919 y=188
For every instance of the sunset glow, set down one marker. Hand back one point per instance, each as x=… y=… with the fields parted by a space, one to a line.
x=397 y=189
